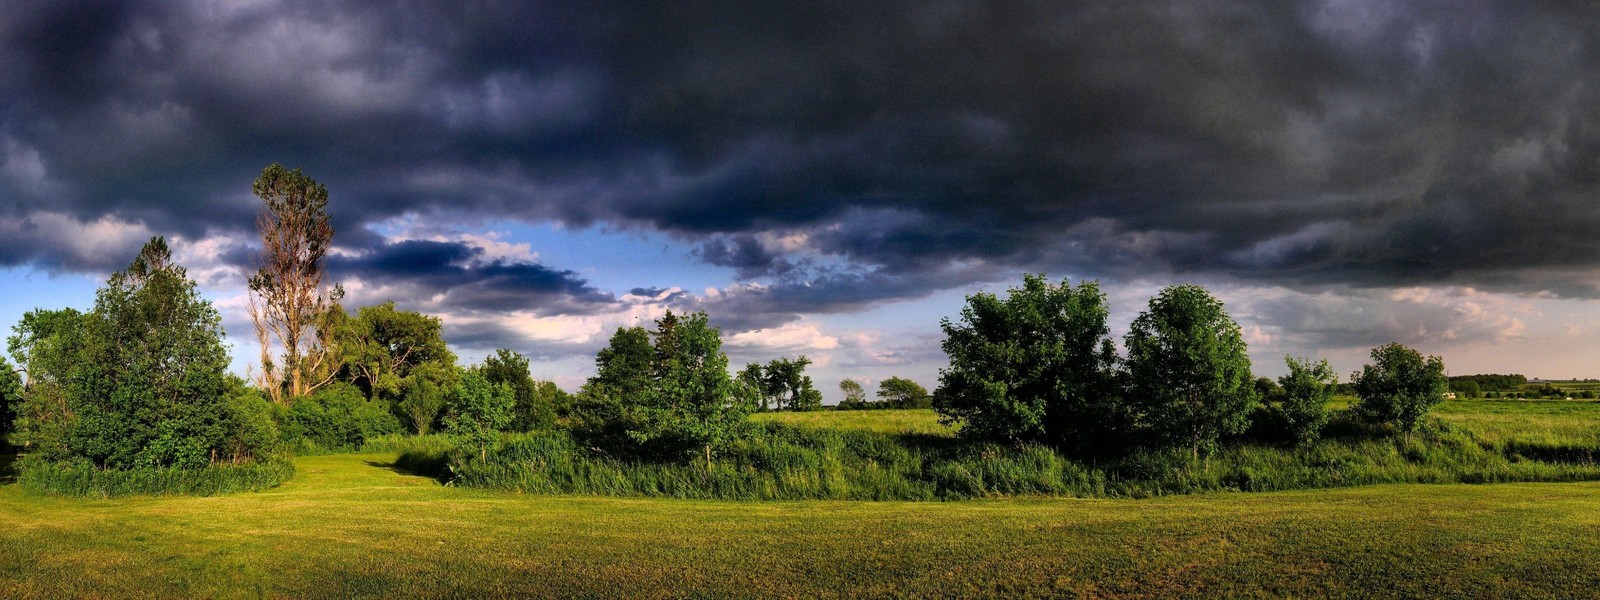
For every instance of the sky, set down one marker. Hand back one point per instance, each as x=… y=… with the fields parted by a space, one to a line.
x=834 y=178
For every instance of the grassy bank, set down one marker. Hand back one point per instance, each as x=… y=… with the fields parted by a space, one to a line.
x=349 y=526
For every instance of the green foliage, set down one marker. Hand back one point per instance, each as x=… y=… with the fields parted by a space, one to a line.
x=424 y=393
x=783 y=382
x=1399 y=387
x=1499 y=383
x=382 y=346
x=479 y=409
x=10 y=398
x=1466 y=388
x=896 y=392
x=537 y=402
x=1305 y=393
x=1037 y=366
x=854 y=396
x=678 y=404
x=1189 y=373
x=336 y=417
x=83 y=479
x=140 y=382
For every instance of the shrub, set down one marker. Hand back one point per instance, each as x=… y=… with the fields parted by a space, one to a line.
x=1189 y=372
x=1399 y=387
x=1306 y=391
x=81 y=478
x=336 y=417
x=479 y=410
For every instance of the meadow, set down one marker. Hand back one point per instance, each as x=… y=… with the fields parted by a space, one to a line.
x=353 y=525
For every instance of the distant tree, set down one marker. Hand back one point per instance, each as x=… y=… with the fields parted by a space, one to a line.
x=895 y=392
x=1466 y=388
x=289 y=305
x=1268 y=390
x=1586 y=394
x=1036 y=366
x=1303 y=402
x=784 y=379
x=1188 y=370
x=854 y=396
x=479 y=410
x=754 y=378
x=1399 y=387
x=534 y=410
x=381 y=346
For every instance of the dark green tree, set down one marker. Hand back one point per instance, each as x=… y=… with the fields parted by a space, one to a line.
x=381 y=345
x=623 y=368
x=784 y=380
x=534 y=410
x=896 y=392
x=425 y=392
x=480 y=410
x=10 y=398
x=1188 y=369
x=1399 y=387
x=1035 y=366
x=48 y=346
x=1303 y=403
x=143 y=383
x=695 y=402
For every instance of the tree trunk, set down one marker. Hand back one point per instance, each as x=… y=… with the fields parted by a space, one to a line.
x=708 y=458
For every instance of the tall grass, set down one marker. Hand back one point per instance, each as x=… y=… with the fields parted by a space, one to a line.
x=777 y=461
x=85 y=480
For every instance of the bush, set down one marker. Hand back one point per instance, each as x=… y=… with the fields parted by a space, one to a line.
x=337 y=417
x=1400 y=386
x=81 y=478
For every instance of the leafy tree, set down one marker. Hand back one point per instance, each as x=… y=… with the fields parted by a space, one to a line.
x=1399 y=387
x=624 y=367
x=338 y=417
x=480 y=409
x=1303 y=403
x=695 y=402
x=1035 y=366
x=1467 y=388
x=535 y=403
x=1268 y=390
x=138 y=382
x=895 y=392
x=784 y=379
x=1188 y=369
x=10 y=398
x=854 y=396
x=382 y=345
x=288 y=301
x=426 y=390
x=47 y=345
x=754 y=378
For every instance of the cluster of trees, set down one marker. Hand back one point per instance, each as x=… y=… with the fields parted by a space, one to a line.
x=783 y=384
x=1487 y=383
x=1040 y=366
x=894 y=392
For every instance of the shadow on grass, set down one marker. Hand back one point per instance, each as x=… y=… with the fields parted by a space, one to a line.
x=440 y=473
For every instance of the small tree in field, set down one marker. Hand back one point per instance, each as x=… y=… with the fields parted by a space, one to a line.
x=854 y=396
x=1306 y=391
x=479 y=410
x=1399 y=387
x=1036 y=366
x=695 y=400
x=1188 y=370
x=896 y=392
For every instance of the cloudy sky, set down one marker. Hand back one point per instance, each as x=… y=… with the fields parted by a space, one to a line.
x=832 y=178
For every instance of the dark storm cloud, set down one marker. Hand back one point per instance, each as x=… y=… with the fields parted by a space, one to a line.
x=461 y=278
x=1296 y=143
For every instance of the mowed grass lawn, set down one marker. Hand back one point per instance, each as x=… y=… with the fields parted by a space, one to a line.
x=349 y=526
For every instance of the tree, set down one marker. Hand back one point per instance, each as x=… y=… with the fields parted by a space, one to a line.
x=10 y=398
x=479 y=410
x=895 y=392
x=1467 y=388
x=1035 y=366
x=754 y=378
x=1305 y=393
x=785 y=381
x=382 y=345
x=1188 y=370
x=140 y=381
x=425 y=391
x=288 y=301
x=624 y=367
x=695 y=400
x=854 y=396
x=535 y=407
x=1399 y=387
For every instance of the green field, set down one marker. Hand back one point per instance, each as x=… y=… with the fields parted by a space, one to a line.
x=914 y=421
x=353 y=526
